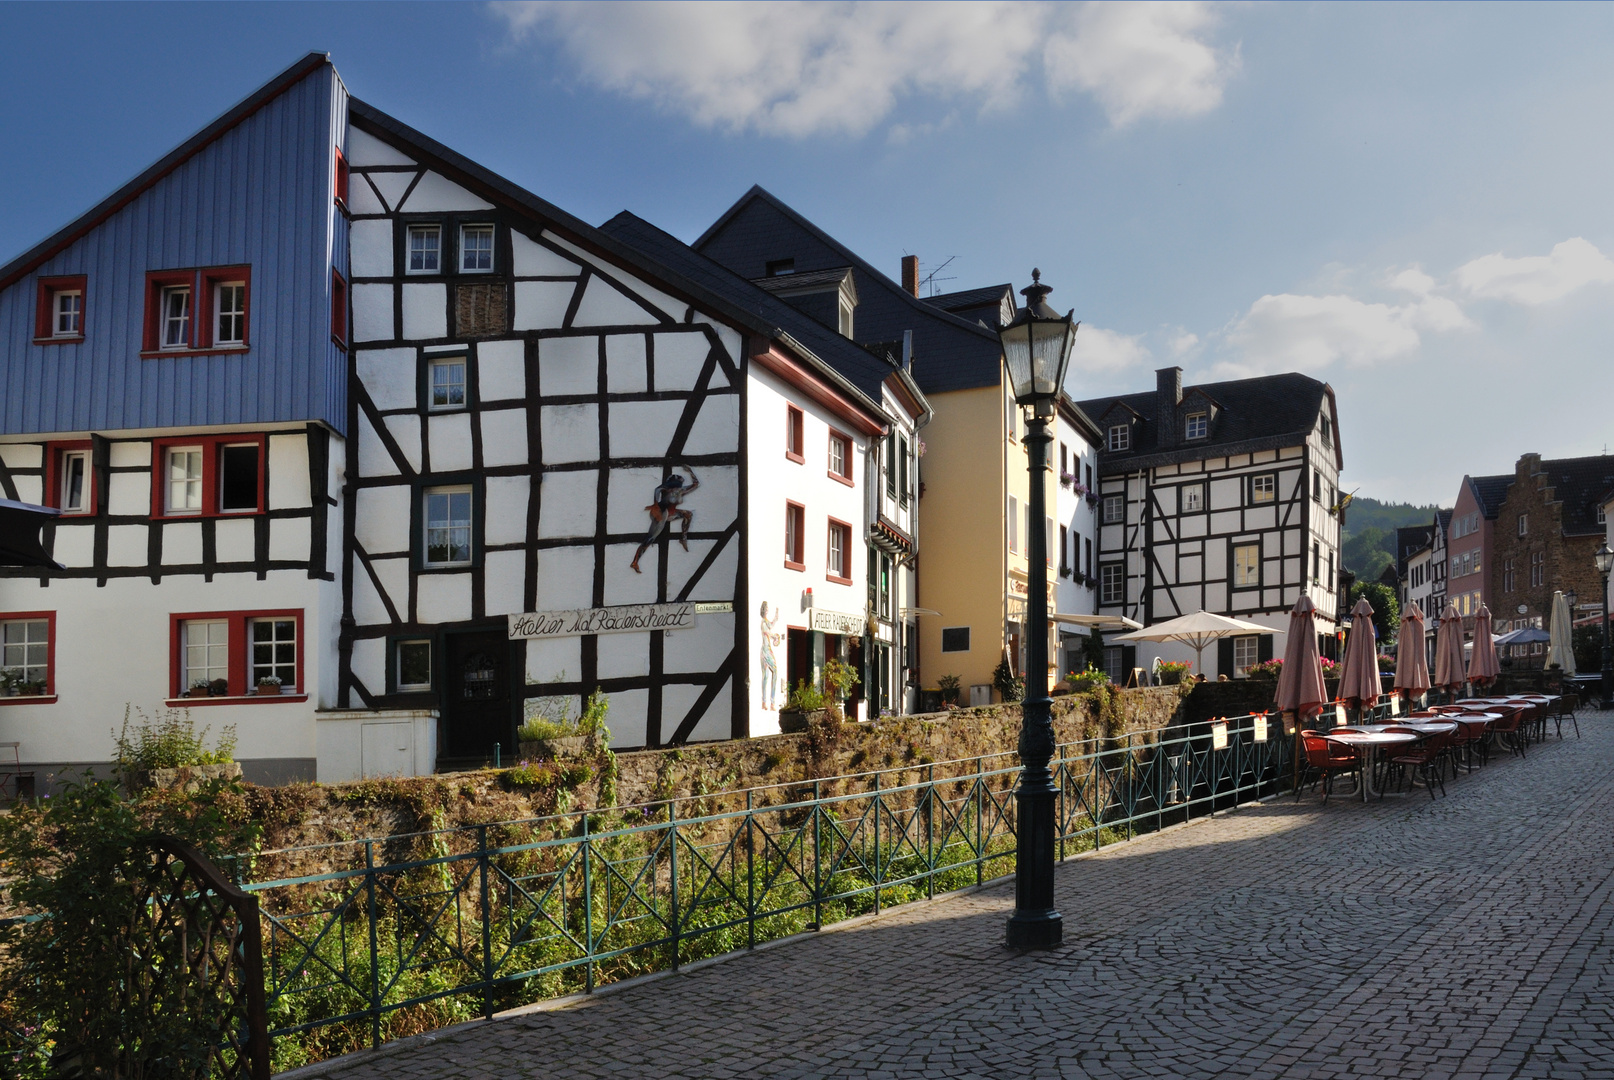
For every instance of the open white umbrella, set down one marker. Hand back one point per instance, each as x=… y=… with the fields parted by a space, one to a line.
x=1197 y=630
x=1562 y=650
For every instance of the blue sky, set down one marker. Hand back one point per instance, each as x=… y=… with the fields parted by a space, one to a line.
x=1409 y=201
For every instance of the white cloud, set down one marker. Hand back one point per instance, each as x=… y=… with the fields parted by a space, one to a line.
x=1141 y=59
x=1182 y=343
x=1106 y=350
x=1288 y=332
x=1414 y=281
x=1537 y=279
x=797 y=69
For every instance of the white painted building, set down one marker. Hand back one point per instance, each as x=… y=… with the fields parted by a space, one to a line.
x=1076 y=593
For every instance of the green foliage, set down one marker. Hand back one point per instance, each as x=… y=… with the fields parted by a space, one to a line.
x=78 y=856
x=168 y=741
x=1009 y=685
x=950 y=688
x=839 y=678
x=1081 y=682
x=551 y=718
x=541 y=774
x=1095 y=647
x=1386 y=608
x=1587 y=642
x=1172 y=672
x=804 y=698
x=1367 y=541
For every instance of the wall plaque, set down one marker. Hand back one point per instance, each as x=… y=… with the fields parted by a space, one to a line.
x=626 y=619
x=838 y=622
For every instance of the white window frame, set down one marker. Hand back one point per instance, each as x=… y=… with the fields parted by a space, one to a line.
x=191 y=482
x=209 y=648
x=169 y=322
x=444 y=364
x=285 y=670
x=465 y=250
x=1246 y=654
x=237 y=315
x=1120 y=438
x=840 y=455
x=1264 y=488
x=1193 y=498
x=1524 y=524
x=58 y=310
x=1197 y=425
x=435 y=250
x=397 y=661
x=15 y=653
x=452 y=524
x=1112 y=583
x=82 y=504
x=1247 y=575
x=1119 y=517
x=845 y=322
x=839 y=540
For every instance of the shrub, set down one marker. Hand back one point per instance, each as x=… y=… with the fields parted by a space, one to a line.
x=167 y=741
x=1008 y=684
x=839 y=678
x=1081 y=682
x=1172 y=672
x=551 y=718
x=949 y=686
x=804 y=698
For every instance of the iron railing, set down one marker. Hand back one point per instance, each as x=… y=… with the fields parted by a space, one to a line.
x=410 y=933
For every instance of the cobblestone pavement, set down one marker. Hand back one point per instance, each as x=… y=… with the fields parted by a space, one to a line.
x=1465 y=937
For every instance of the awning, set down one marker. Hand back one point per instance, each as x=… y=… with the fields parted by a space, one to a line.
x=1103 y=622
x=19 y=534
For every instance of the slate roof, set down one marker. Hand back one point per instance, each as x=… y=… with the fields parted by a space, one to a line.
x=1409 y=540
x=1489 y=491
x=982 y=305
x=848 y=359
x=1263 y=413
x=1581 y=484
x=950 y=352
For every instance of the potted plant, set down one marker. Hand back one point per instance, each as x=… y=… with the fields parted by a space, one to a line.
x=34 y=689
x=1172 y=672
x=219 y=688
x=804 y=703
x=950 y=688
x=10 y=679
x=269 y=686
x=839 y=679
x=198 y=688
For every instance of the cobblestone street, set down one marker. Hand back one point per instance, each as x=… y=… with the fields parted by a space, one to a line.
x=1465 y=937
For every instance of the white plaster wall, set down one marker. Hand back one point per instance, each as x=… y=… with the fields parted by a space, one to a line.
x=535 y=260
x=365 y=150
x=437 y=194
x=502 y=370
x=504 y=437
x=425 y=311
x=372 y=312
x=388 y=375
x=569 y=365
x=371 y=244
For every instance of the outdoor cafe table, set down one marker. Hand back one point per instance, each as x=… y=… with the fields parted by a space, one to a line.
x=1368 y=744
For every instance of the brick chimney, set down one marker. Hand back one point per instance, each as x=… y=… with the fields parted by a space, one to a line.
x=1527 y=466
x=910 y=274
x=1167 y=396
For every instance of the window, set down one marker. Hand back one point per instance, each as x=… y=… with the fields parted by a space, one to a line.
x=1114 y=509
x=413 y=665
x=793 y=434
x=1112 y=583
x=1328 y=432
x=59 y=315
x=955 y=639
x=184 y=479
x=1088 y=545
x=1602 y=517
x=1246 y=566
x=1246 y=654
x=1014 y=525
x=175 y=331
x=840 y=457
x=222 y=474
x=447 y=384
x=902 y=469
x=795 y=536
x=1120 y=437
x=338 y=309
x=26 y=651
x=838 y=567
x=229 y=652
x=1264 y=488
x=238 y=477
x=1316 y=561
x=1317 y=487
x=198 y=310
x=69 y=485
x=845 y=323
x=1198 y=425
x=1538 y=568
x=1524 y=524
x=448 y=526
x=1193 y=498
x=778 y=267
x=425 y=249
x=1064 y=551
x=1329 y=580
x=230 y=313
x=274 y=651
x=1064 y=459
x=1048 y=541
x=476 y=249
x=1509 y=576
x=1089 y=477
x=885 y=586
x=340 y=181
x=1476 y=568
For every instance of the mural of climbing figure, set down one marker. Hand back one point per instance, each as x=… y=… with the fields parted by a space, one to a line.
x=666 y=508
x=770 y=666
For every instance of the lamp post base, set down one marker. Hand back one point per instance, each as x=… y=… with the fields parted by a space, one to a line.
x=1035 y=930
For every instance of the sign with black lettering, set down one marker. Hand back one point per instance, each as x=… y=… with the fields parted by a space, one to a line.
x=626 y=619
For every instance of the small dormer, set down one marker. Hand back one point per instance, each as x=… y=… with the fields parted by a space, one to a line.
x=830 y=296
x=1197 y=412
x=1119 y=426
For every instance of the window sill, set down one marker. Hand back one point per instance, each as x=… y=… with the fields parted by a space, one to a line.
x=224 y=350
x=200 y=515
x=77 y=339
x=847 y=480
x=248 y=699
x=835 y=580
x=795 y=565
x=29 y=699
x=797 y=458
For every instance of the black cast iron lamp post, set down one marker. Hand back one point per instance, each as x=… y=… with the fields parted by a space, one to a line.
x=1036 y=350
x=1605 y=564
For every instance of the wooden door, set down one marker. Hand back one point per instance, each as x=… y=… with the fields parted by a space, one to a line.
x=478 y=711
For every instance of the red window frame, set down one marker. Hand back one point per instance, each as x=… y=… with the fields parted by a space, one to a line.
x=50 y=656
x=210 y=445
x=338 y=308
x=53 y=478
x=340 y=179
x=846 y=457
x=203 y=281
x=45 y=308
x=797 y=512
x=795 y=434
x=239 y=693
x=845 y=576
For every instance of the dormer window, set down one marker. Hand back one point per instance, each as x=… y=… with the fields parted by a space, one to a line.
x=1198 y=425
x=1120 y=437
x=780 y=267
x=1328 y=432
x=845 y=325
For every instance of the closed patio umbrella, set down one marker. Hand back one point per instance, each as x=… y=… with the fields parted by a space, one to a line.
x=1300 y=683
x=1411 y=664
x=1449 y=649
x=1359 y=682
x=1483 y=666
x=1197 y=630
x=1562 y=650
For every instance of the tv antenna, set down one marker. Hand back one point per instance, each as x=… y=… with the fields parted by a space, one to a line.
x=931 y=279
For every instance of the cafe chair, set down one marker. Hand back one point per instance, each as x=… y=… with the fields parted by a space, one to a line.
x=1428 y=758
x=1565 y=710
x=1324 y=761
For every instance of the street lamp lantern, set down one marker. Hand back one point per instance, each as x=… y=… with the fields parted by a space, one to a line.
x=1036 y=349
x=1605 y=559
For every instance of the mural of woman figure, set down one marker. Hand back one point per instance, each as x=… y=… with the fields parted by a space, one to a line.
x=770 y=666
x=669 y=494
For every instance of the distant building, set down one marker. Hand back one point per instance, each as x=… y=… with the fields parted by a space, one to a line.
x=1411 y=566
x=1469 y=543
x=1222 y=497
x=1438 y=551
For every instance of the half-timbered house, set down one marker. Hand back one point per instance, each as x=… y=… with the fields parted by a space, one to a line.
x=1220 y=497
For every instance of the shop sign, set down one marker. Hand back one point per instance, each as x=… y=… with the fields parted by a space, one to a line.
x=625 y=619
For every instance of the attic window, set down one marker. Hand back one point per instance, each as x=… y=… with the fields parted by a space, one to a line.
x=1198 y=425
x=1120 y=437
x=1328 y=432
x=1602 y=517
x=780 y=267
x=845 y=326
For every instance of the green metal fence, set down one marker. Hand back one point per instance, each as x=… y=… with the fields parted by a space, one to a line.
x=479 y=919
